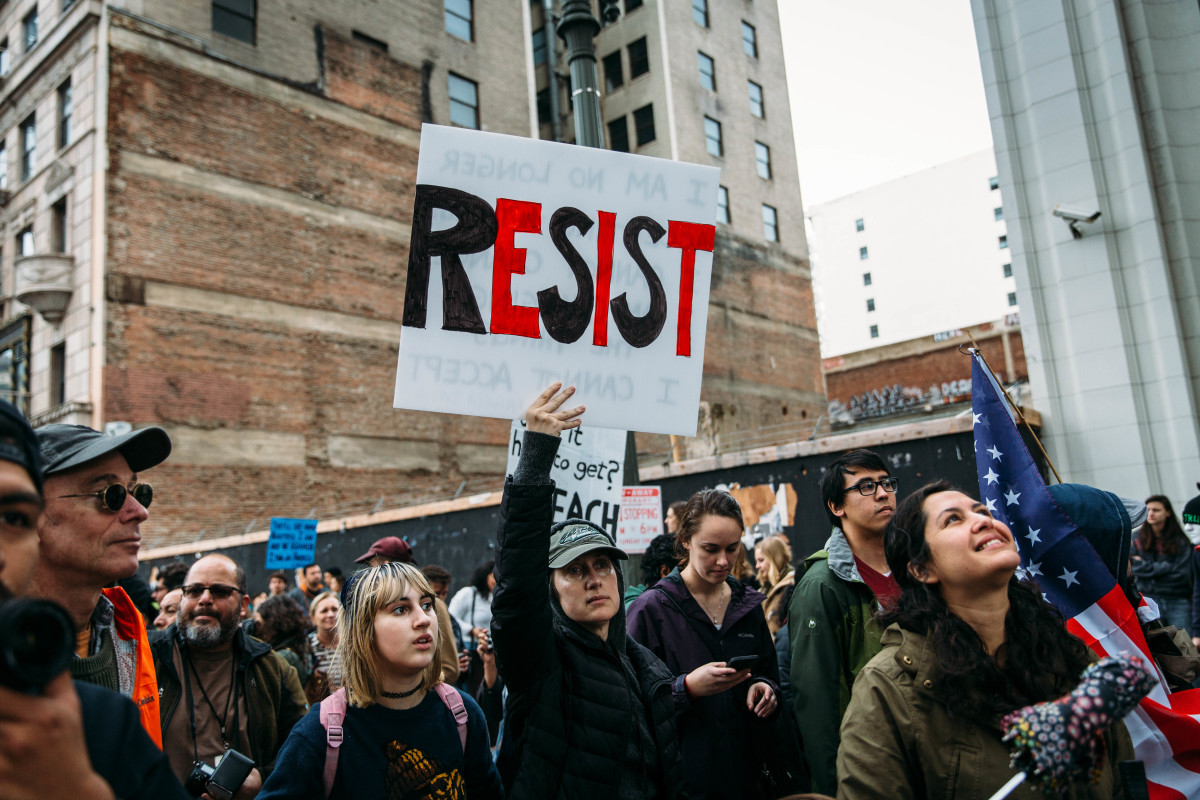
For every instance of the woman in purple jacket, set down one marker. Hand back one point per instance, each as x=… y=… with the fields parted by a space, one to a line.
x=710 y=631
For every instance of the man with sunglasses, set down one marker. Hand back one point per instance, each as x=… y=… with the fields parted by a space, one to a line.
x=88 y=539
x=221 y=689
x=831 y=615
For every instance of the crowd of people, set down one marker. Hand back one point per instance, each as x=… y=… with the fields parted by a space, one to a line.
x=879 y=666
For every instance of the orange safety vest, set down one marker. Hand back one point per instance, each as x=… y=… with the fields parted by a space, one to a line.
x=130 y=626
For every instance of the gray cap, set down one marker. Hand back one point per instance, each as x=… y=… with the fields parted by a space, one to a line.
x=66 y=447
x=1136 y=510
x=574 y=537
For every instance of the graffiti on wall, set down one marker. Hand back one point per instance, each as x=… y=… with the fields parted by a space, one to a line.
x=897 y=399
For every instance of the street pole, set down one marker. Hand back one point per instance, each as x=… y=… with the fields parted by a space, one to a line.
x=578 y=28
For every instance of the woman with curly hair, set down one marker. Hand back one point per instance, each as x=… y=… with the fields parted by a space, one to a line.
x=1162 y=563
x=776 y=576
x=284 y=625
x=965 y=644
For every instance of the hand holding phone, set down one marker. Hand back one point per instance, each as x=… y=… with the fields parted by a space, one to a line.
x=742 y=662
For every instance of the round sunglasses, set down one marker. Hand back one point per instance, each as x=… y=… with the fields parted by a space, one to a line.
x=112 y=497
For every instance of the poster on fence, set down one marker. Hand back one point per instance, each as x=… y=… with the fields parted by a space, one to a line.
x=533 y=261
x=292 y=544
x=641 y=517
x=587 y=473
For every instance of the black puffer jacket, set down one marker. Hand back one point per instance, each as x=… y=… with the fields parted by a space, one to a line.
x=570 y=712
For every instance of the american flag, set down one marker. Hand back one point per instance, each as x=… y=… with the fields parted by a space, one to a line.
x=1165 y=727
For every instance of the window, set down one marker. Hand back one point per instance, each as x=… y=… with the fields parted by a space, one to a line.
x=999 y=212
x=29 y=32
x=618 y=135
x=459 y=16
x=866 y=279
x=613 y=77
x=700 y=12
x=58 y=227
x=28 y=147
x=25 y=242
x=543 y=107
x=712 y=137
x=870 y=304
x=1003 y=242
x=862 y=254
x=723 y=205
x=749 y=40
x=762 y=155
x=1012 y=298
x=756 y=100
x=58 y=374
x=539 y=45
x=64 y=114
x=630 y=5
x=464 y=102
x=235 y=18
x=1008 y=270
x=859 y=225
x=5 y=57
x=3 y=165
x=770 y=224
x=643 y=124
x=874 y=331
x=14 y=364
x=639 y=59
x=993 y=183
x=708 y=72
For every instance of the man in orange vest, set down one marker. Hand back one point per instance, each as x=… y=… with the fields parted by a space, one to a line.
x=88 y=538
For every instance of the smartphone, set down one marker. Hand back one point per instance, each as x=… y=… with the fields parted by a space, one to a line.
x=742 y=662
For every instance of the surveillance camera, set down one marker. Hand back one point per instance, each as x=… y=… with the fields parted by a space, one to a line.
x=1076 y=213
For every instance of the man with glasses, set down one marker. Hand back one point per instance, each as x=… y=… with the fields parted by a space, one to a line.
x=88 y=538
x=831 y=616
x=221 y=689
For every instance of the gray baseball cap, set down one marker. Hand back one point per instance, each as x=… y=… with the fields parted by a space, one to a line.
x=574 y=537
x=66 y=447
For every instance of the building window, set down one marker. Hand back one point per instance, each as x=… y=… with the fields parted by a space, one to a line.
x=28 y=147
x=58 y=374
x=29 y=32
x=618 y=134
x=630 y=5
x=1012 y=298
x=859 y=225
x=58 y=227
x=862 y=254
x=770 y=223
x=999 y=212
x=712 y=137
x=643 y=124
x=870 y=304
x=5 y=58
x=3 y=166
x=874 y=331
x=539 y=45
x=1003 y=242
x=614 y=78
x=235 y=18
x=756 y=100
x=700 y=12
x=749 y=40
x=866 y=279
x=14 y=364
x=762 y=156
x=993 y=183
x=459 y=18
x=639 y=58
x=708 y=72
x=25 y=242
x=723 y=205
x=1008 y=270
x=464 y=102
x=64 y=114
x=543 y=107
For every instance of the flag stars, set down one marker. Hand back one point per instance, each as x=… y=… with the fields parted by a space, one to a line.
x=1034 y=569
x=1032 y=536
x=975 y=419
x=991 y=505
x=1069 y=577
x=1010 y=499
x=996 y=454
x=991 y=477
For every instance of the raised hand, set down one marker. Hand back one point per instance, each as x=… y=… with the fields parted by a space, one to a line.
x=546 y=414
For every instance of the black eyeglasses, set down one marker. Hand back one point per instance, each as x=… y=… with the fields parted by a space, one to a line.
x=219 y=591
x=869 y=486
x=112 y=497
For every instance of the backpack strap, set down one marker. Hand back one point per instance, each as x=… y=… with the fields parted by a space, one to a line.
x=453 y=701
x=333 y=712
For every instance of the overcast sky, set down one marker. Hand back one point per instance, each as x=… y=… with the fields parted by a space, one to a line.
x=880 y=89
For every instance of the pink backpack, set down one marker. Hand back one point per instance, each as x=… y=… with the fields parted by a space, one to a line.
x=333 y=712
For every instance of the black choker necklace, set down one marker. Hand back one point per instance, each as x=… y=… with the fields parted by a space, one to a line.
x=402 y=695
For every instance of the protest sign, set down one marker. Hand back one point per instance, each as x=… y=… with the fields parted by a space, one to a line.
x=641 y=517
x=293 y=543
x=533 y=261
x=587 y=473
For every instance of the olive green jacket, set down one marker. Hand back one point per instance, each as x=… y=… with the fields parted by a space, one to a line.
x=899 y=742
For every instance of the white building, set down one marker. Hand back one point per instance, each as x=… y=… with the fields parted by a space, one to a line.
x=912 y=257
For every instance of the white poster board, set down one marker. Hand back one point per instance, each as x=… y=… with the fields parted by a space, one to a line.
x=587 y=472
x=641 y=517
x=533 y=261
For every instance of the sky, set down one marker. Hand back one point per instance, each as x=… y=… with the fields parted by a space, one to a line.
x=880 y=89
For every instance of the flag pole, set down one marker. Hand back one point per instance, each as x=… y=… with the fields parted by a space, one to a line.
x=1015 y=407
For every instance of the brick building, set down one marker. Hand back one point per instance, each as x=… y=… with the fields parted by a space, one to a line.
x=208 y=210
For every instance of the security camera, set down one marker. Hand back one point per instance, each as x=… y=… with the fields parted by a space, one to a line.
x=1075 y=215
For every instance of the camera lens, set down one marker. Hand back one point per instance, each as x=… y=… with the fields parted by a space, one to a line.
x=37 y=639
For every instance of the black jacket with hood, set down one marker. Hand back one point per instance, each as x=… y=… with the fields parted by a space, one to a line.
x=575 y=700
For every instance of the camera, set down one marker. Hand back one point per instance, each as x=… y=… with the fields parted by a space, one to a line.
x=222 y=780
x=37 y=640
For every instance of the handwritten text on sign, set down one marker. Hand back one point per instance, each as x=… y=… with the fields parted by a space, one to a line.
x=556 y=262
x=293 y=543
x=641 y=517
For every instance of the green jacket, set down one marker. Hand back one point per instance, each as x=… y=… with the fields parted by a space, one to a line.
x=899 y=742
x=833 y=632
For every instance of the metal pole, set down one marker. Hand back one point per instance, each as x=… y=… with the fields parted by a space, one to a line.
x=552 y=70
x=578 y=28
